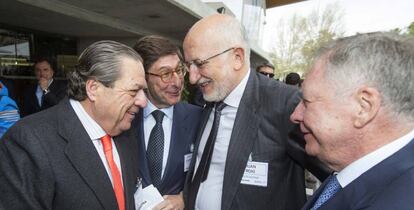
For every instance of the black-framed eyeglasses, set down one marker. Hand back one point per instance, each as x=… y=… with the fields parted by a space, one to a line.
x=166 y=76
x=200 y=63
x=270 y=75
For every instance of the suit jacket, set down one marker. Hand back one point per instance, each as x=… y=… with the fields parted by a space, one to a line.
x=57 y=91
x=387 y=185
x=261 y=130
x=48 y=161
x=186 y=119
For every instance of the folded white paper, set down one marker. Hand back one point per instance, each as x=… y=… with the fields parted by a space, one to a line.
x=147 y=198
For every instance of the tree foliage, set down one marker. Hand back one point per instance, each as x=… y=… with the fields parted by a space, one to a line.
x=298 y=37
x=411 y=29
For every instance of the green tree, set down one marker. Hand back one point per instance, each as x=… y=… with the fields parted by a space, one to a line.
x=408 y=30
x=298 y=37
x=411 y=29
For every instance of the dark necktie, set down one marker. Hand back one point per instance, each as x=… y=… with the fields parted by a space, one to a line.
x=204 y=165
x=328 y=192
x=155 y=149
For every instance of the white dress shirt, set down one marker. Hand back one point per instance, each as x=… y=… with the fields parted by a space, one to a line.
x=39 y=92
x=210 y=191
x=95 y=133
x=360 y=166
x=149 y=122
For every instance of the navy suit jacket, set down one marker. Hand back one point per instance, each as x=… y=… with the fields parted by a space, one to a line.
x=30 y=104
x=387 y=185
x=185 y=124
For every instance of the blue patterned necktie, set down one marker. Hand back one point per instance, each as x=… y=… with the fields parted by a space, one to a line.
x=329 y=191
x=155 y=150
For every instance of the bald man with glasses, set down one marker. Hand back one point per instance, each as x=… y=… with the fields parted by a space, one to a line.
x=166 y=129
x=247 y=154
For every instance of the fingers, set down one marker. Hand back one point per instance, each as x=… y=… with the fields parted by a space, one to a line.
x=171 y=202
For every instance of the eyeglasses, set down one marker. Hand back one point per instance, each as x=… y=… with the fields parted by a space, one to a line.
x=270 y=75
x=166 y=76
x=200 y=63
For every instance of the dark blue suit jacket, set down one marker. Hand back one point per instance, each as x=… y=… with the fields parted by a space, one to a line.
x=185 y=125
x=388 y=185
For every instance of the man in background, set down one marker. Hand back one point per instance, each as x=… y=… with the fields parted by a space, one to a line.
x=244 y=157
x=65 y=157
x=266 y=69
x=164 y=161
x=357 y=115
x=46 y=93
x=292 y=78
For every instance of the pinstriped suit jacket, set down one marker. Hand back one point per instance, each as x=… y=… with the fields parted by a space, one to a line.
x=262 y=129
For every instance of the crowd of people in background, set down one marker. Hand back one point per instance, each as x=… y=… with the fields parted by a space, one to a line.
x=117 y=135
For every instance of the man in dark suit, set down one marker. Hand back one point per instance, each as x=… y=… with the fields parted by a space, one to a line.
x=165 y=78
x=357 y=115
x=252 y=163
x=46 y=93
x=64 y=157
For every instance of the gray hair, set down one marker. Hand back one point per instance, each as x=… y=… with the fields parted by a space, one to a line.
x=100 y=61
x=384 y=61
x=233 y=33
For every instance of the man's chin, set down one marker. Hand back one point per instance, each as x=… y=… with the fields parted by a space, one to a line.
x=311 y=150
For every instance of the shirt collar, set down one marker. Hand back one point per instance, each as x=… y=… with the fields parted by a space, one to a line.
x=234 y=98
x=151 y=107
x=94 y=130
x=360 y=166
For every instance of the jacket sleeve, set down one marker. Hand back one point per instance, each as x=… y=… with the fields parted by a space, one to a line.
x=26 y=178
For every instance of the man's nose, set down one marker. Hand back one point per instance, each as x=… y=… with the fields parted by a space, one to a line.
x=140 y=99
x=297 y=115
x=194 y=74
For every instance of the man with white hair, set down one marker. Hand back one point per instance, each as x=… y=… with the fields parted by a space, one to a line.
x=357 y=116
x=244 y=157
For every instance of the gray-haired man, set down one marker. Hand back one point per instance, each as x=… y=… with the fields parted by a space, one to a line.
x=64 y=157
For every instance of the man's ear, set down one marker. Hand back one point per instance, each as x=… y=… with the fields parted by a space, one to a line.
x=369 y=101
x=91 y=89
x=238 y=58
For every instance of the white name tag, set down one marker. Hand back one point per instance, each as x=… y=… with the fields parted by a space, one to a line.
x=187 y=161
x=255 y=174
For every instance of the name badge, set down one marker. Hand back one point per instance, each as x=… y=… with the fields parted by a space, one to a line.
x=255 y=174
x=187 y=161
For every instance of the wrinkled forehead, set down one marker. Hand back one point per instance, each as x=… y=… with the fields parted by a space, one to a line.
x=201 y=42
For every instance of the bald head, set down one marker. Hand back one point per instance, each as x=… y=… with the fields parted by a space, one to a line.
x=217 y=55
x=218 y=31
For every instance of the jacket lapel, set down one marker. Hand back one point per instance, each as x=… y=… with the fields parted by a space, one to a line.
x=138 y=131
x=128 y=153
x=242 y=140
x=179 y=129
x=204 y=118
x=83 y=156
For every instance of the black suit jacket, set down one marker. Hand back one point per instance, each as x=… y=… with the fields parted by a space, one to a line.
x=57 y=91
x=389 y=185
x=261 y=129
x=48 y=161
x=186 y=119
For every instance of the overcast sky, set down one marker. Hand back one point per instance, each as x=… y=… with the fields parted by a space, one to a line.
x=359 y=15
